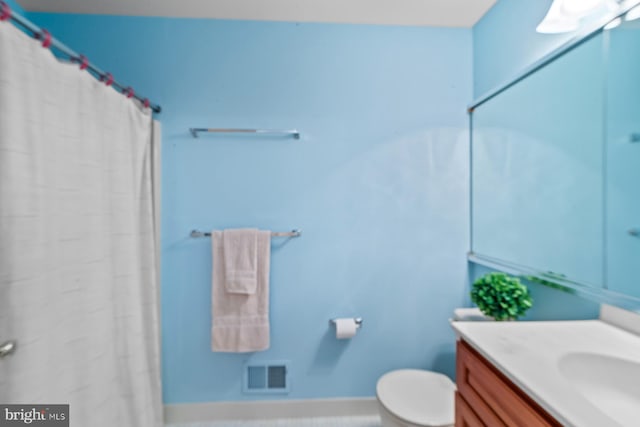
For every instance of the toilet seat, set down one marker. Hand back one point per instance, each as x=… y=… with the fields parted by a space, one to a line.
x=418 y=397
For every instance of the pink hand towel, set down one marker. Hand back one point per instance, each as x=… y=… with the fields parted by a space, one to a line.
x=240 y=260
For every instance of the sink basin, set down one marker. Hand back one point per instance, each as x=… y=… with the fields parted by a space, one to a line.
x=609 y=383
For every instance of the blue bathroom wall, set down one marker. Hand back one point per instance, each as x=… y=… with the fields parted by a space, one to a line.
x=505 y=42
x=378 y=184
x=15 y=6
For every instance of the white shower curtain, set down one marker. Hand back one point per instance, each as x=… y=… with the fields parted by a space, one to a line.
x=78 y=266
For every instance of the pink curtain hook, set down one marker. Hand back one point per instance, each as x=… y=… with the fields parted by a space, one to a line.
x=129 y=92
x=146 y=102
x=84 y=62
x=46 y=38
x=107 y=79
x=5 y=11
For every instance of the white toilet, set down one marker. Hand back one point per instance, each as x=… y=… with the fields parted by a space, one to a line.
x=419 y=398
x=415 y=398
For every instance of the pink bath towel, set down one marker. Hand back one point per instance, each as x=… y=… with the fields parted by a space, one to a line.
x=240 y=322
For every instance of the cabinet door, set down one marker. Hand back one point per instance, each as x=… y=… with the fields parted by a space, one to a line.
x=465 y=417
x=496 y=400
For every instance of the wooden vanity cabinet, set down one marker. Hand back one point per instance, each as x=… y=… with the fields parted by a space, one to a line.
x=486 y=398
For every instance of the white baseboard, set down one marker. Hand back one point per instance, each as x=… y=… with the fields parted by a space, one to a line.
x=269 y=409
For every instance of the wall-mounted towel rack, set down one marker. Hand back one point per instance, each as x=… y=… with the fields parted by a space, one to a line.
x=292 y=233
x=292 y=132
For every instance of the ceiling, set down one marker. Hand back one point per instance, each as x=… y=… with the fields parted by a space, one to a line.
x=440 y=13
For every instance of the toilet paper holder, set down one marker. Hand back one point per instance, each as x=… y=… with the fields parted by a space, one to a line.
x=358 y=321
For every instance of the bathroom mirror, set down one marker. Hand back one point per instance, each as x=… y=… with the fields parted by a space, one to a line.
x=537 y=169
x=555 y=159
x=622 y=180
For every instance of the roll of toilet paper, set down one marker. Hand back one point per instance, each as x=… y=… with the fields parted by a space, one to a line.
x=345 y=328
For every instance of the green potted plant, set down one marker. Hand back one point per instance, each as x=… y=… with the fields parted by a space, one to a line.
x=501 y=296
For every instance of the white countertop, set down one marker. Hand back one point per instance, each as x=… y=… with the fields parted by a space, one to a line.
x=528 y=354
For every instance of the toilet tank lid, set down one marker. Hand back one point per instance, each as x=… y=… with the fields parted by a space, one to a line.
x=471 y=314
x=418 y=397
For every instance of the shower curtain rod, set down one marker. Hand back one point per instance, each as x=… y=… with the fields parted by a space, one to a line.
x=50 y=42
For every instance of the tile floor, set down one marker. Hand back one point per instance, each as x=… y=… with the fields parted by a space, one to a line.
x=360 y=421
